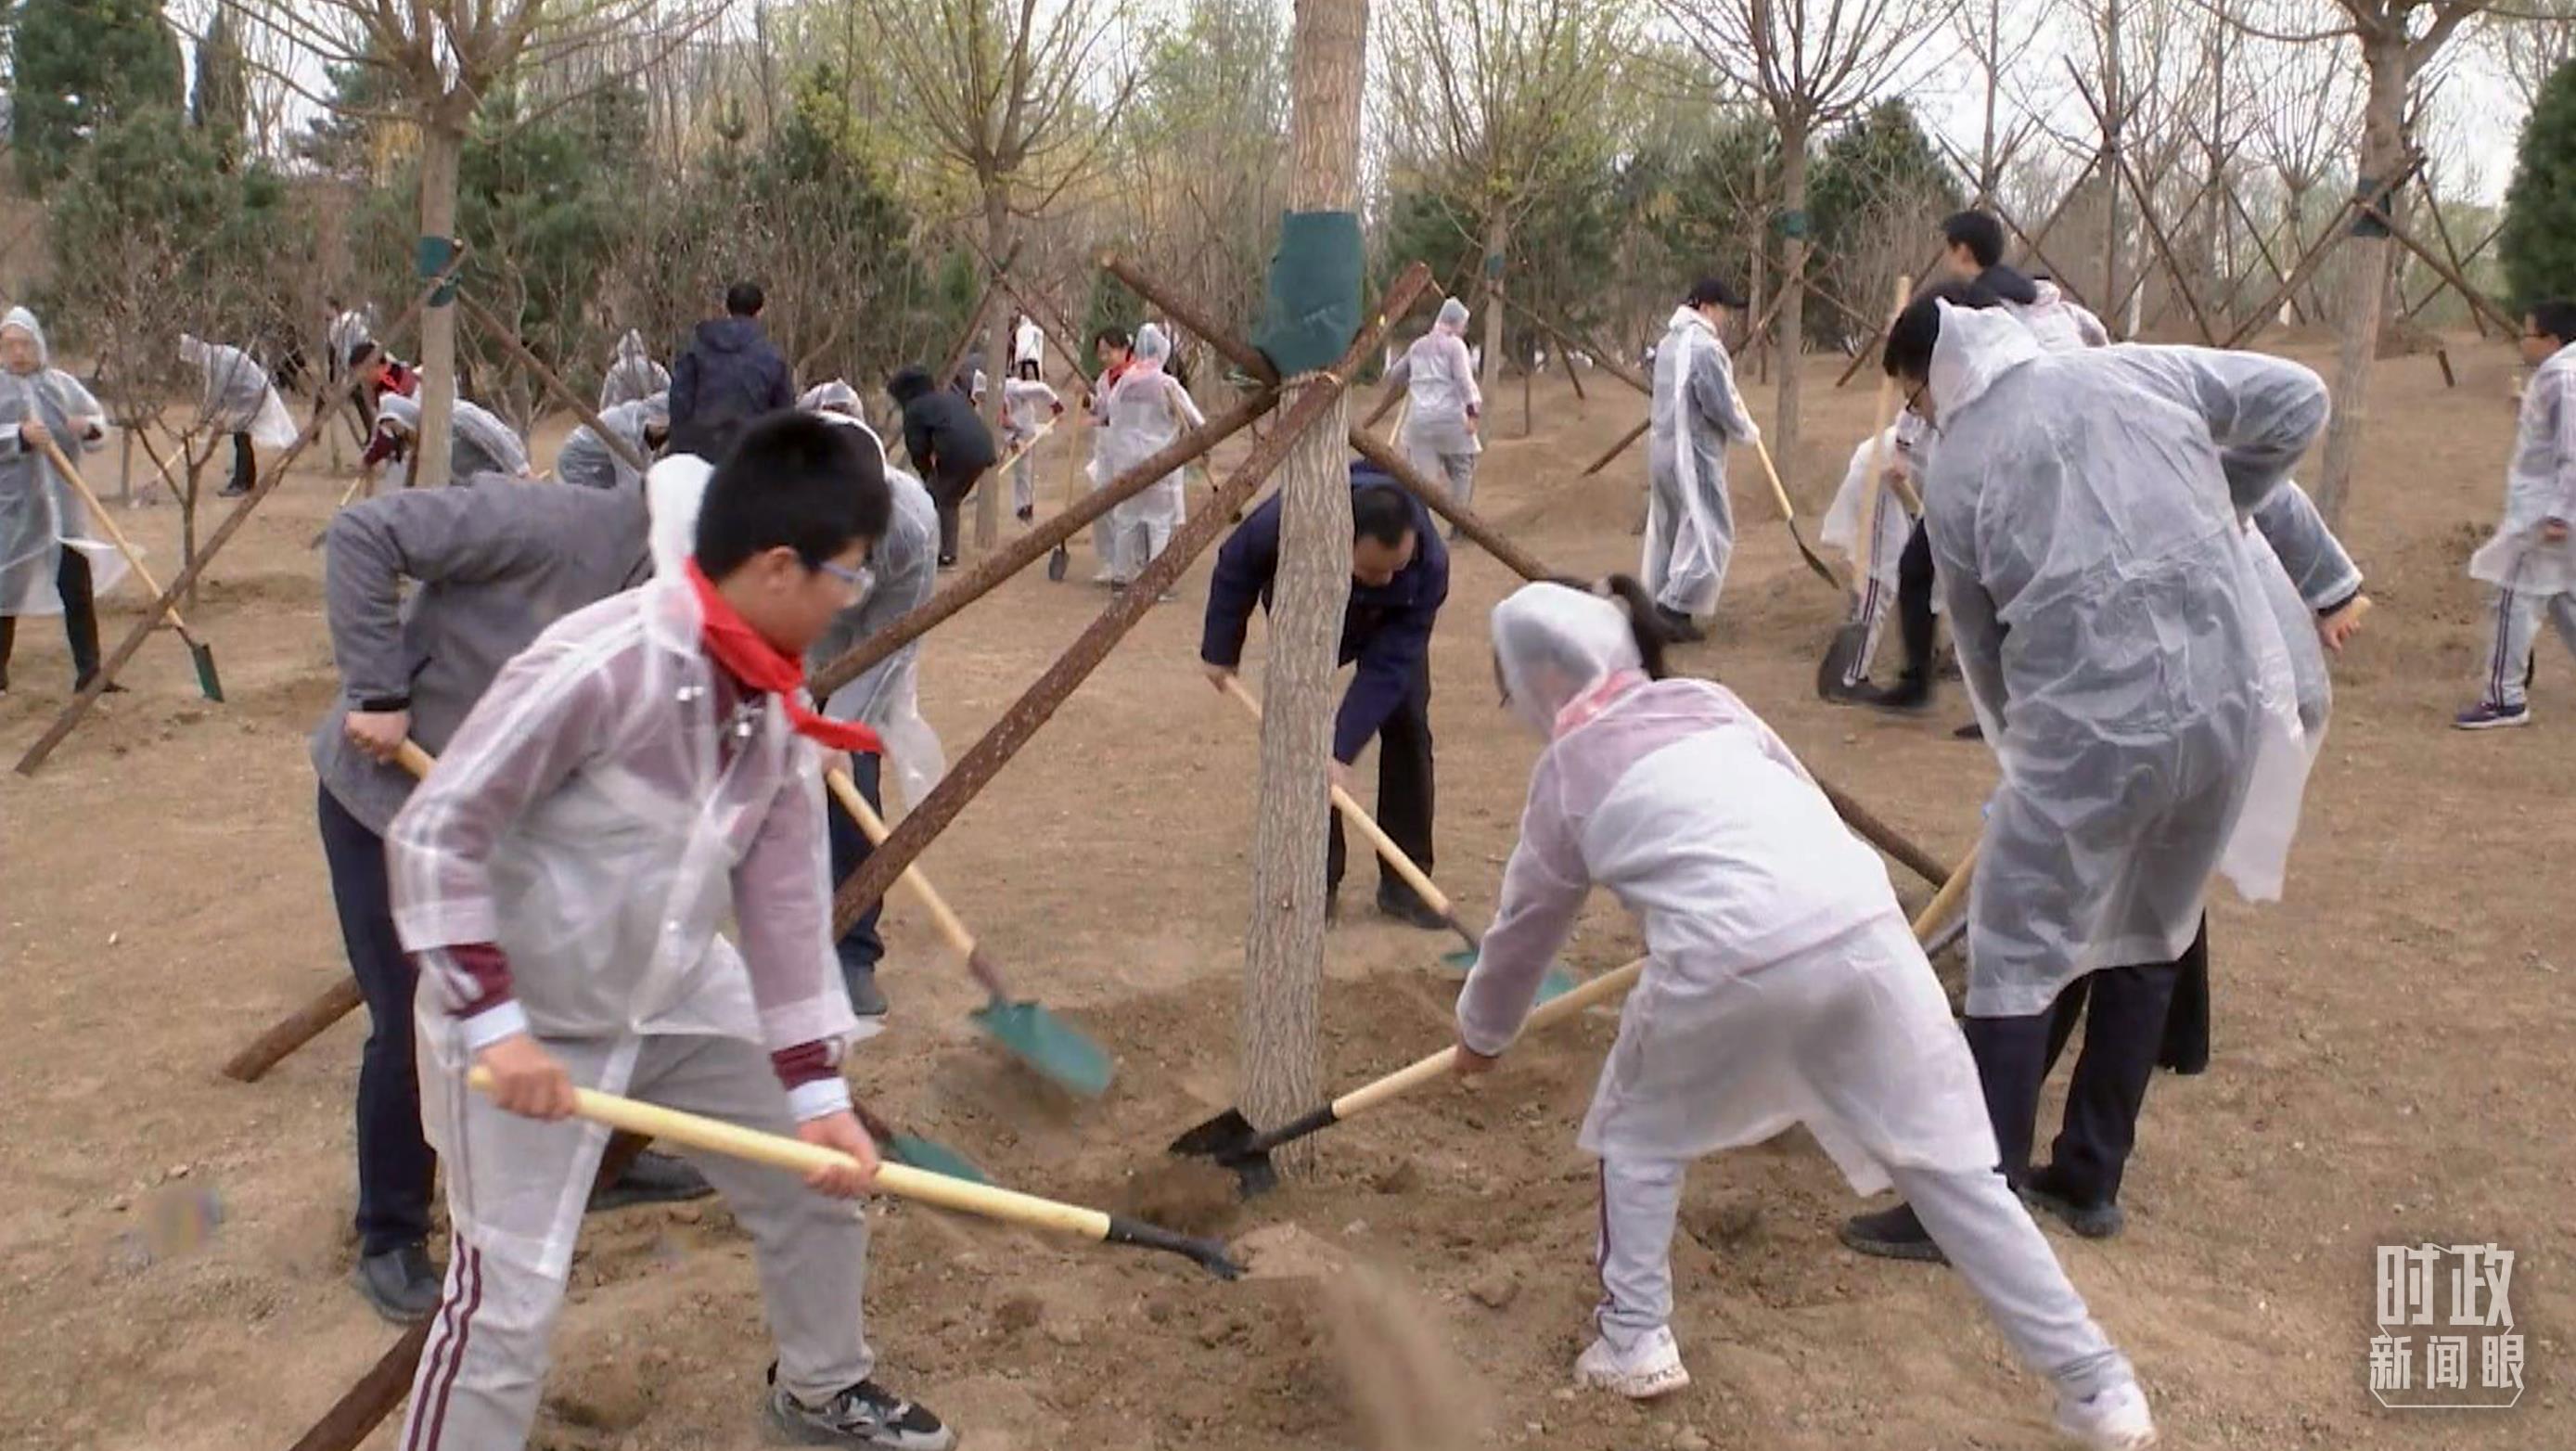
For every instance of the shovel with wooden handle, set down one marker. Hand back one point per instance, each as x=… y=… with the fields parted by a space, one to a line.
x=1558 y=980
x=1230 y=1139
x=1789 y=516
x=1034 y=1035
x=209 y=684
x=716 y=1136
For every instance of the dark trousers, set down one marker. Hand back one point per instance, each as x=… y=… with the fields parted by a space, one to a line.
x=2124 y=1011
x=80 y=618
x=1914 y=619
x=245 y=466
x=949 y=491
x=861 y=947
x=1404 y=792
x=396 y=1169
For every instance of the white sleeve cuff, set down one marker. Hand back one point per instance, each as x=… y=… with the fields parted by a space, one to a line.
x=821 y=1098
x=490 y=1026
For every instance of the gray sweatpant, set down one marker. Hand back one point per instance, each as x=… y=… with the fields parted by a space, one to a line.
x=1457 y=470
x=1024 y=482
x=1973 y=1216
x=2517 y=631
x=484 y=1368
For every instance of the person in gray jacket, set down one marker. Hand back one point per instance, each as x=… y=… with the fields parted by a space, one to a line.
x=492 y=566
x=586 y=460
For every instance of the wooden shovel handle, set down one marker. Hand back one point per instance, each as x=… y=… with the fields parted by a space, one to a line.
x=1361 y=822
x=72 y=476
x=1948 y=898
x=1013 y=456
x=1555 y=1010
x=846 y=791
x=1779 y=491
x=715 y=1136
x=1885 y=412
x=412 y=758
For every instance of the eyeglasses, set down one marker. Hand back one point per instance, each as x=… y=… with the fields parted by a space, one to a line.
x=860 y=581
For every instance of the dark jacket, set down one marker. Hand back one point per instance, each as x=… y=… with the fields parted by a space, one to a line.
x=940 y=423
x=728 y=375
x=1386 y=628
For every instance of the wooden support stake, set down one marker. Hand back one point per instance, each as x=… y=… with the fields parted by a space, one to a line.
x=545 y=376
x=1436 y=497
x=1236 y=351
x=982 y=761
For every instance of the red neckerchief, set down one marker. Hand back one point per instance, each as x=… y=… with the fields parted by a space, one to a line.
x=761 y=666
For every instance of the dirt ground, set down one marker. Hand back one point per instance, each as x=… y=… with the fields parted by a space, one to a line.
x=2392 y=1048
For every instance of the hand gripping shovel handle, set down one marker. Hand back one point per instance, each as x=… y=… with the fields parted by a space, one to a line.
x=715 y=1136
x=1361 y=822
x=947 y=922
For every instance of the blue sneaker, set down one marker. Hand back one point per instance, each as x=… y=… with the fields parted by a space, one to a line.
x=2486 y=715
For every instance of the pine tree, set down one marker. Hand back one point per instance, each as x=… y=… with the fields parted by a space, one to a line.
x=78 y=66
x=2539 y=240
x=220 y=107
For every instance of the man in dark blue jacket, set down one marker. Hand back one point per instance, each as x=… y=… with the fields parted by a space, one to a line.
x=728 y=375
x=1399 y=579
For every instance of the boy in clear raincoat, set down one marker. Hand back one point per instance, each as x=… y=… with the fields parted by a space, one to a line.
x=586 y=461
x=1440 y=427
x=239 y=403
x=478 y=441
x=2121 y=630
x=2531 y=561
x=647 y=770
x=1028 y=405
x=632 y=374
x=48 y=561
x=1782 y=987
x=1696 y=413
x=1146 y=411
x=902 y=574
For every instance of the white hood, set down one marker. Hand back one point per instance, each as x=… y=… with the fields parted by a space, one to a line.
x=1977 y=346
x=672 y=493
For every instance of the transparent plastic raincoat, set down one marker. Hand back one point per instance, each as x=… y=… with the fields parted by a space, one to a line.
x=39 y=514
x=2540 y=485
x=237 y=396
x=1148 y=409
x=633 y=374
x=586 y=460
x=1441 y=383
x=902 y=574
x=1690 y=522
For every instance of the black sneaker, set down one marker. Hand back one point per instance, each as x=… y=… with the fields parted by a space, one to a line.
x=1679 y=627
x=1027 y=515
x=866 y=1414
x=402 y=1284
x=1910 y=695
x=866 y=998
x=1969 y=732
x=2049 y=1192
x=232 y=491
x=653 y=1179
x=1892 y=1234
x=81 y=683
x=1400 y=904
x=1836 y=692
x=948 y=561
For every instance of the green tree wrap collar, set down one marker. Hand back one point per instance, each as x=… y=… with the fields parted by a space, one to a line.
x=1313 y=308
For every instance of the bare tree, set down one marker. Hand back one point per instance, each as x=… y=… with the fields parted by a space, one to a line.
x=1019 y=101
x=1501 y=101
x=441 y=58
x=2529 y=45
x=1283 y=964
x=1813 y=64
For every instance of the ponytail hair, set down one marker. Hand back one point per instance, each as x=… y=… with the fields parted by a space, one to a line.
x=1633 y=600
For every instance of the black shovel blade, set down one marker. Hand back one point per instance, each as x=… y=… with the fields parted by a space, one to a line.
x=1224 y=1134
x=1839 y=655
x=1056 y=564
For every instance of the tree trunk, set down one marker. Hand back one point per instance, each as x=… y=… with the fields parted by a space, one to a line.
x=1282 y=1064
x=1783 y=438
x=2110 y=168
x=440 y=147
x=1490 y=272
x=997 y=360
x=1753 y=300
x=2383 y=149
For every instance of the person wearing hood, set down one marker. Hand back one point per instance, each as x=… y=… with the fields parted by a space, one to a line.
x=728 y=375
x=1399 y=581
x=1782 y=986
x=1116 y=352
x=2531 y=560
x=427 y=594
x=1440 y=427
x=902 y=574
x=1028 y=405
x=341 y=339
x=949 y=444
x=237 y=400
x=1147 y=411
x=586 y=460
x=1696 y=413
x=632 y=374
x=48 y=561
x=479 y=443
x=2088 y=514
x=1028 y=348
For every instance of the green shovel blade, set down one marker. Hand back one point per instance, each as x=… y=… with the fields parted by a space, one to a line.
x=1048 y=1044
x=933 y=1157
x=1556 y=984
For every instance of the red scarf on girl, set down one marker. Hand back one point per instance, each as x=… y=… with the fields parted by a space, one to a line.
x=749 y=657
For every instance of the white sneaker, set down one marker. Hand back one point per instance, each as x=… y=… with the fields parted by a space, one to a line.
x=1653 y=1369
x=2112 y=1420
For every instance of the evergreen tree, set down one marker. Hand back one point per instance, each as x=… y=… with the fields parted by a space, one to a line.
x=220 y=106
x=76 y=67
x=1879 y=191
x=2539 y=240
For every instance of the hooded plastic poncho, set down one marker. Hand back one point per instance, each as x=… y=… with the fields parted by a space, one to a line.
x=1147 y=410
x=237 y=397
x=1872 y=531
x=632 y=374
x=1690 y=522
x=2112 y=622
x=586 y=460
x=478 y=442
x=1782 y=985
x=40 y=515
x=835 y=396
x=1440 y=382
x=2539 y=485
x=902 y=573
